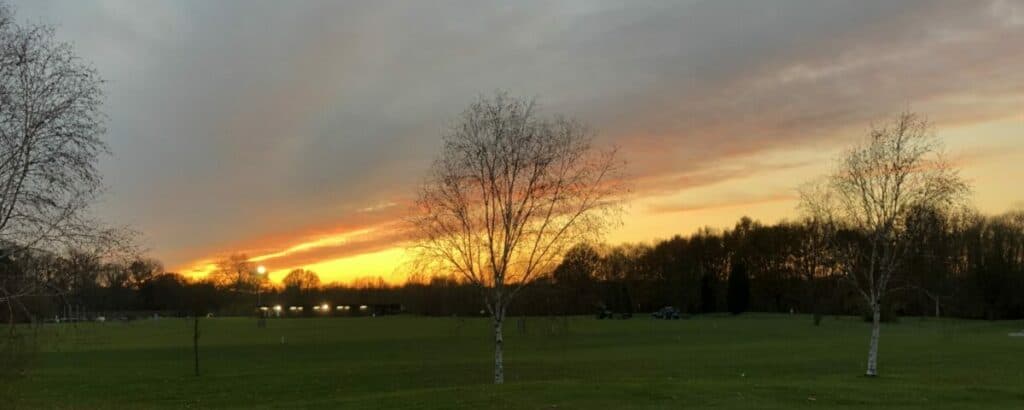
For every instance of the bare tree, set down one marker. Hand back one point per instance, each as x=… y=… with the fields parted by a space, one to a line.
x=50 y=128
x=236 y=273
x=301 y=280
x=866 y=201
x=509 y=194
x=143 y=269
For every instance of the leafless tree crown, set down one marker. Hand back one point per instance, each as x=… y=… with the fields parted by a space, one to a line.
x=50 y=142
x=878 y=184
x=867 y=204
x=50 y=128
x=512 y=191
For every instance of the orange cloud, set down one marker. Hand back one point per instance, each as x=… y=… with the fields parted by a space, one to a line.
x=366 y=230
x=688 y=116
x=730 y=203
x=671 y=182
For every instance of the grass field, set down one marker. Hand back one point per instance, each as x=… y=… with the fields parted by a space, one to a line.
x=721 y=362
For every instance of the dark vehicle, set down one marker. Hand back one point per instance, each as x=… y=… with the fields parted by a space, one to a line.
x=605 y=314
x=667 y=313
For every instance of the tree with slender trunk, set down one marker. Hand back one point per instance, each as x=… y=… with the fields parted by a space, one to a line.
x=866 y=201
x=510 y=193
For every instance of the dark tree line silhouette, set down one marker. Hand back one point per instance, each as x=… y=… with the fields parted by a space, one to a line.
x=962 y=265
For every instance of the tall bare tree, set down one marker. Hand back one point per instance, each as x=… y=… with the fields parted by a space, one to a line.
x=509 y=194
x=878 y=183
x=50 y=129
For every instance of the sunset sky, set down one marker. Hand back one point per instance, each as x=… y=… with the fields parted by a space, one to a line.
x=296 y=132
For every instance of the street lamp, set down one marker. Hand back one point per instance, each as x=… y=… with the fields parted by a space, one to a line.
x=260 y=320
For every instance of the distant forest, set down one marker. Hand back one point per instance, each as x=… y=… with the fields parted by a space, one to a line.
x=964 y=265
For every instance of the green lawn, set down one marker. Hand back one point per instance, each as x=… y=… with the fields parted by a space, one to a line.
x=749 y=361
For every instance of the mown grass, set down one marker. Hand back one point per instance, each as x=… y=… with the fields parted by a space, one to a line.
x=721 y=362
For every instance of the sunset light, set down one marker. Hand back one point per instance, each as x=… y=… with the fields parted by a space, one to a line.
x=600 y=204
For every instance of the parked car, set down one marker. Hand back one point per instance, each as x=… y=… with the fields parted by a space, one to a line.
x=605 y=314
x=667 y=313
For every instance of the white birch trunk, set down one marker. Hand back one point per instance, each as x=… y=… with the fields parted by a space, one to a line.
x=876 y=324
x=499 y=364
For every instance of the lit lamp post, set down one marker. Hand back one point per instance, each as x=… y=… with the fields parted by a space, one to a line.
x=260 y=320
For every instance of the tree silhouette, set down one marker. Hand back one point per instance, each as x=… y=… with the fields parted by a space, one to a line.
x=50 y=143
x=868 y=199
x=236 y=273
x=301 y=280
x=510 y=193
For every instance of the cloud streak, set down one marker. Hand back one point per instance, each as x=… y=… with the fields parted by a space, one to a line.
x=742 y=201
x=289 y=129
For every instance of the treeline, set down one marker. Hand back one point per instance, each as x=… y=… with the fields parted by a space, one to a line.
x=967 y=266
x=961 y=265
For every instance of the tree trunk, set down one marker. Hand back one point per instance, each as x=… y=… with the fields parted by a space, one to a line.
x=499 y=360
x=937 y=308
x=876 y=324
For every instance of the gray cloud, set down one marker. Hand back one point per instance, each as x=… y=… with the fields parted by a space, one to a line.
x=234 y=120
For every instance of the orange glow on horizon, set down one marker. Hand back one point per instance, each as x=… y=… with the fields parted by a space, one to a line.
x=991 y=153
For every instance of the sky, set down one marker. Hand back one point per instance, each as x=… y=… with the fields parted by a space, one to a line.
x=297 y=132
